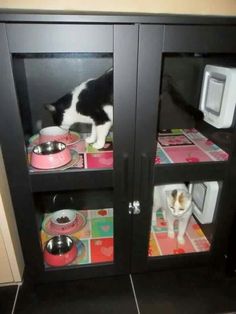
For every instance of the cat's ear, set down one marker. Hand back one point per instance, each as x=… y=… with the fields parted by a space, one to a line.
x=174 y=193
x=185 y=197
x=50 y=107
x=182 y=198
x=188 y=196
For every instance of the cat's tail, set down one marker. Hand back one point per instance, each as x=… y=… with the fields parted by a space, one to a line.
x=180 y=101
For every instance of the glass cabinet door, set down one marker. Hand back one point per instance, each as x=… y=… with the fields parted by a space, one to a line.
x=76 y=182
x=182 y=156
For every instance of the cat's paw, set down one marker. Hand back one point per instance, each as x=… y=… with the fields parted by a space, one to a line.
x=180 y=240
x=90 y=140
x=98 y=145
x=171 y=234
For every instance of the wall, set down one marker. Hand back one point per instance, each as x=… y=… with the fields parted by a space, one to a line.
x=11 y=258
x=206 y=7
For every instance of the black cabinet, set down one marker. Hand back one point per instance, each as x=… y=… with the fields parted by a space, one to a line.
x=45 y=56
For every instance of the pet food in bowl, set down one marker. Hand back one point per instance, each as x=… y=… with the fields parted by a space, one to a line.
x=60 y=251
x=64 y=218
x=50 y=155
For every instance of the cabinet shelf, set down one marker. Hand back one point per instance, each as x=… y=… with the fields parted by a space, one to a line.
x=91 y=170
x=70 y=273
x=186 y=155
x=178 y=261
x=208 y=171
x=70 y=180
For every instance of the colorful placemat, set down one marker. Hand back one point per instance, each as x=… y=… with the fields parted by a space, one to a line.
x=94 y=241
x=173 y=146
x=160 y=244
x=186 y=146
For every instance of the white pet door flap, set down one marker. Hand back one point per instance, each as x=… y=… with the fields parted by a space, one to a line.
x=215 y=94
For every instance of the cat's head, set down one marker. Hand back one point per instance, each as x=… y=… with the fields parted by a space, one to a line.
x=58 y=108
x=179 y=202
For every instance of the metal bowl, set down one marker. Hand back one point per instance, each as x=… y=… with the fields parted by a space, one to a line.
x=50 y=155
x=60 y=251
x=48 y=148
x=59 y=245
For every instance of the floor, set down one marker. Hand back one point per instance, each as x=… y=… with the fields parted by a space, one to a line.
x=179 y=291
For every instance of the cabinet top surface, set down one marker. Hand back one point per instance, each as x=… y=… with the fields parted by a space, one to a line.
x=12 y=16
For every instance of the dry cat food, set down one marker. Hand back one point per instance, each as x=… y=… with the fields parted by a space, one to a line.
x=63 y=220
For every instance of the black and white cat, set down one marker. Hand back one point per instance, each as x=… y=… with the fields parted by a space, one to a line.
x=91 y=102
x=176 y=204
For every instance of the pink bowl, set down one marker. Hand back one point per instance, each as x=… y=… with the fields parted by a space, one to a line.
x=54 y=133
x=63 y=219
x=60 y=251
x=50 y=155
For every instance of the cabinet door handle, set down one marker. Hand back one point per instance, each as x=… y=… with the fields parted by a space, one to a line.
x=134 y=208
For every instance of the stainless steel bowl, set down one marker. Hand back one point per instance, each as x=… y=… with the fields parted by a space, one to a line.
x=50 y=155
x=48 y=148
x=59 y=245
